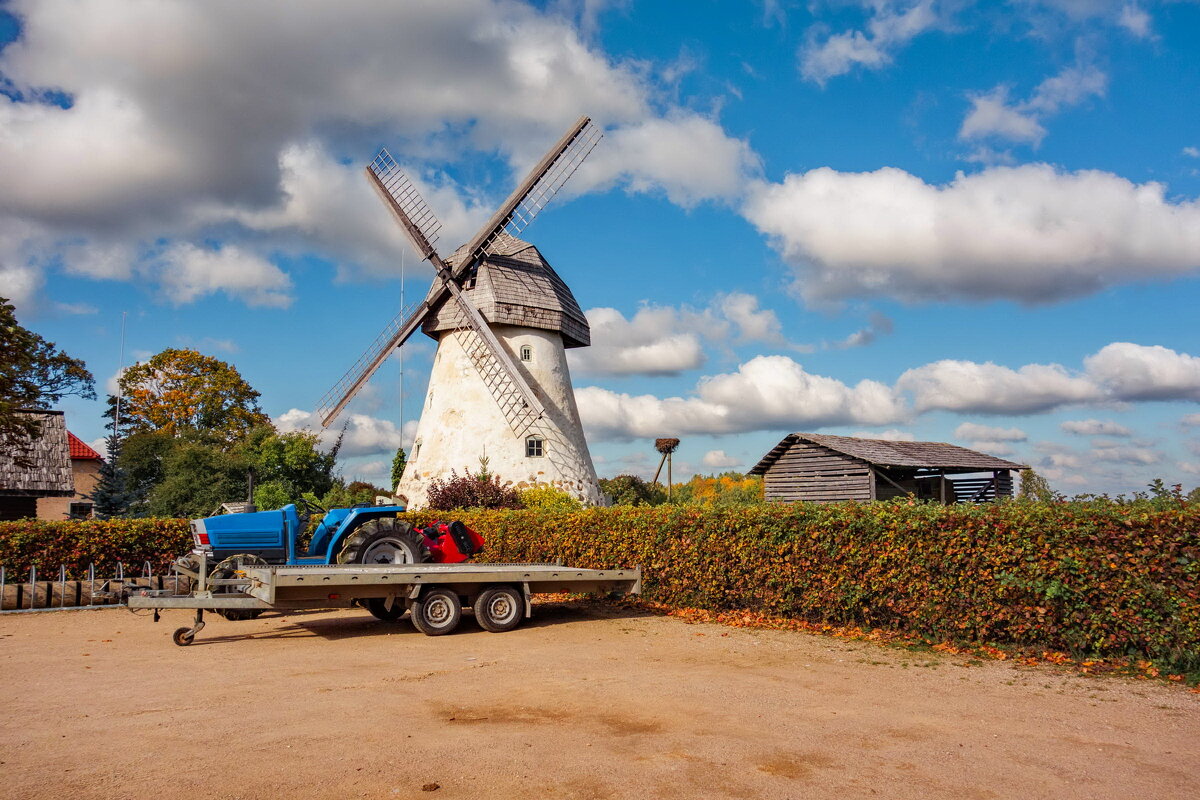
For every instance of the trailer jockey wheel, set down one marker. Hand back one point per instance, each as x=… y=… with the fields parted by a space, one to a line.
x=499 y=609
x=183 y=637
x=437 y=612
x=384 y=541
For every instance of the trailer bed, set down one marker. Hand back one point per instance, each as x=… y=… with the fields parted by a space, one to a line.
x=290 y=587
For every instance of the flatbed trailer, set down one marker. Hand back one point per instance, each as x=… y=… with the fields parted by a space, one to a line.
x=434 y=594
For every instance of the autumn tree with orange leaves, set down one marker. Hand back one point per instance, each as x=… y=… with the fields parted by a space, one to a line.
x=177 y=391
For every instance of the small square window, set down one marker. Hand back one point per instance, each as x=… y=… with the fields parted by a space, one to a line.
x=533 y=447
x=80 y=511
x=526 y=353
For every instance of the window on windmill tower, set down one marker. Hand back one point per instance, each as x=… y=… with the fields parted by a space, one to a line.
x=534 y=447
x=526 y=353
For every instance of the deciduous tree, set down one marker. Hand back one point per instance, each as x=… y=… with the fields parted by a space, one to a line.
x=180 y=390
x=34 y=373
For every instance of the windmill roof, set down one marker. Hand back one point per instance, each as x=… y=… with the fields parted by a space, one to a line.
x=48 y=471
x=887 y=453
x=82 y=450
x=515 y=285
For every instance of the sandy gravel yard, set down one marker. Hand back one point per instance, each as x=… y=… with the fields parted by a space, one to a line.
x=583 y=702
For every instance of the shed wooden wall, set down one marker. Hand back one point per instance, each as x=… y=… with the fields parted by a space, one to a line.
x=818 y=475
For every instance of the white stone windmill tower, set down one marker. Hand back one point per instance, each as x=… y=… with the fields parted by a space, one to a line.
x=502 y=317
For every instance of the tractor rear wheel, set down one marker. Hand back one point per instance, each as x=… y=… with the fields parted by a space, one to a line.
x=437 y=613
x=384 y=541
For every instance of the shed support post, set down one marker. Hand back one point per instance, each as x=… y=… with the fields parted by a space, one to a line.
x=889 y=480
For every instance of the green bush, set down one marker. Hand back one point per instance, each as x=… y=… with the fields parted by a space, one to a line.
x=548 y=499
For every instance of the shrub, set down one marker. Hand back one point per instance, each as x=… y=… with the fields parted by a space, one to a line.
x=549 y=499
x=630 y=490
x=77 y=543
x=1098 y=577
x=471 y=491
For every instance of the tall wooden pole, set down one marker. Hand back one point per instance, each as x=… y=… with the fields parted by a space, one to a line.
x=669 y=479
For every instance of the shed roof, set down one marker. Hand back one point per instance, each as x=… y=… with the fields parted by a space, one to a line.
x=48 y=473
x=81 y=449
x=887 y=453
x=514 y=285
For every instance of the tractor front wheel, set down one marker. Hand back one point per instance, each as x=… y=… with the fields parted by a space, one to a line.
x=384 y=541
x=437 y=612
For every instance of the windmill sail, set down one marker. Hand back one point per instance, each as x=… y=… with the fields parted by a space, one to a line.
x=495 y=366
x=537 y=190
x=399 y=194
x=508 y=386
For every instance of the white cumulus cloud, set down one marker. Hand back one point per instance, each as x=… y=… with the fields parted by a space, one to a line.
x=363 y=435
x=1030 y=233
x=993 y=115
x=717 y=459
x=765 y=393
x=189 y=272
x=234 y=122
x=664 y=340
x=890 y=26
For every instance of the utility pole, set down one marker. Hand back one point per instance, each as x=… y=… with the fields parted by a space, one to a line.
x=120 y=369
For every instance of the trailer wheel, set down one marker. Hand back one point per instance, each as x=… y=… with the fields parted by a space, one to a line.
x=499 y=609
x=384 y=541
x=378 y=608
x=437 y=613
x=183 y=637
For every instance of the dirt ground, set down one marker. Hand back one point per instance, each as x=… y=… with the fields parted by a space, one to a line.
x=582 y=702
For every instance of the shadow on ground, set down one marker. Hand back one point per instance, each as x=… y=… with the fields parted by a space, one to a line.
x=302 y=624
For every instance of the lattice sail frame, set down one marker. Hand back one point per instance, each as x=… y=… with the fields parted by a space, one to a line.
x=396 y=183
x=548 y=185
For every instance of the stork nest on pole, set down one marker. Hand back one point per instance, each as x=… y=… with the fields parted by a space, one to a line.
x=666 y=446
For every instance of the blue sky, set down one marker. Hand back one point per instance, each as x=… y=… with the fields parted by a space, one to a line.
x=966 y=222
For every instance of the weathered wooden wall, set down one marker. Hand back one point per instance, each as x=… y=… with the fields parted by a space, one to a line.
x=817 y=474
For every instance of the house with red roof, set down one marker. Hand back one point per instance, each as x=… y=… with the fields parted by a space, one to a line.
x=85 y=470
x=53 y=477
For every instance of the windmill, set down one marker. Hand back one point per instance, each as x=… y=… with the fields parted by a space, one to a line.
x=500 y=388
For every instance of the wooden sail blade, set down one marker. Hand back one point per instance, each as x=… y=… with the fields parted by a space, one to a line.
x=394 y=334
x=398 y=193
x=536 y=191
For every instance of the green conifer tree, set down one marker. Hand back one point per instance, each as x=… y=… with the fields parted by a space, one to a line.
x=112 y=496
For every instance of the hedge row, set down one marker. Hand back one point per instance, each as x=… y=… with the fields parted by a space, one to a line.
x=1090 y=578
x=77 y=543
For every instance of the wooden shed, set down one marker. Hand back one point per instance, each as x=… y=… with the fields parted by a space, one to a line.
x=47 y=472
x=827 y=469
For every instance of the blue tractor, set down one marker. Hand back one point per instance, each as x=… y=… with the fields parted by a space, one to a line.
x=361 y=534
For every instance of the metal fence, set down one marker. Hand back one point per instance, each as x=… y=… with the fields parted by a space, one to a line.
x=55 y=592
